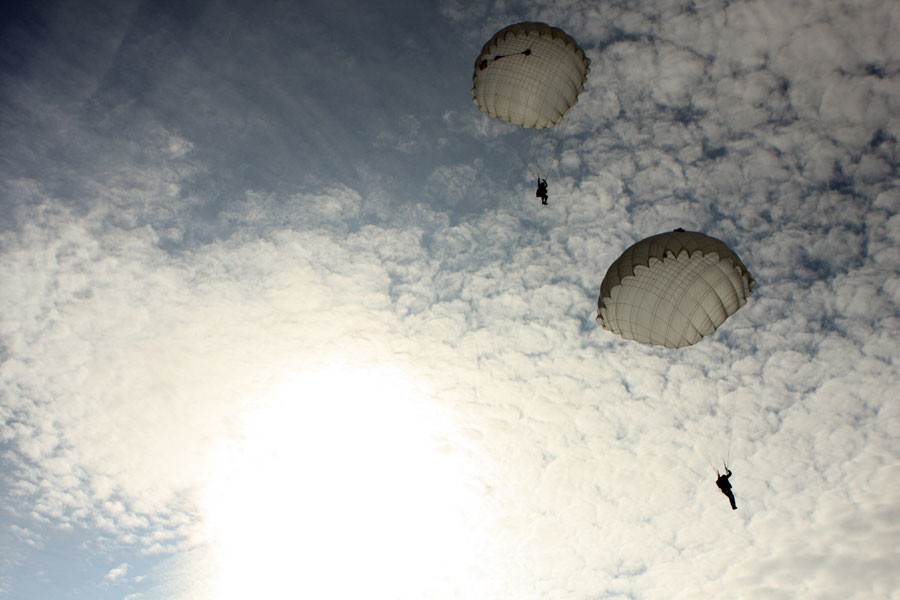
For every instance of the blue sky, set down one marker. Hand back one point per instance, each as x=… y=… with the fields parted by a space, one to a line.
x=282 y=317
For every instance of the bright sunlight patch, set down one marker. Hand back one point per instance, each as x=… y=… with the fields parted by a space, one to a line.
x=338 y=485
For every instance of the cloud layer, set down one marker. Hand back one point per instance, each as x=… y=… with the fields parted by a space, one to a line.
x=194 y=229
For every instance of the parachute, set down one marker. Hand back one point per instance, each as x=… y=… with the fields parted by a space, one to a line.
x=529 y=74
x=672 y=289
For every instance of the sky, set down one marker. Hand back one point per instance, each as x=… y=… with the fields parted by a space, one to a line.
x=280 y=316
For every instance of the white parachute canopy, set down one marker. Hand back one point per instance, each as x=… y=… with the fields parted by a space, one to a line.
x=529 y=74
x=672 y=289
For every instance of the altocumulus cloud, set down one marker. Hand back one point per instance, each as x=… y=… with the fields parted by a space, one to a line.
x=143 y=321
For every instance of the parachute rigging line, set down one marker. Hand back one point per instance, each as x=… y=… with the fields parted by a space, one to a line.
x=684 y=423
x=542 y=155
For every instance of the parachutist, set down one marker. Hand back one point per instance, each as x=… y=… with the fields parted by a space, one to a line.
x=725 y=486
x=542 y=191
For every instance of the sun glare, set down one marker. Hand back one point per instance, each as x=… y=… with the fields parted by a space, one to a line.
x=340 y=485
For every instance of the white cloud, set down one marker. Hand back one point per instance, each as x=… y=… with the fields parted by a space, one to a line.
x=149 y=316
x=117 y=573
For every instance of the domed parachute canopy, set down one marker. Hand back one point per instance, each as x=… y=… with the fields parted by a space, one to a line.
x=529 y=74
x=672 y=289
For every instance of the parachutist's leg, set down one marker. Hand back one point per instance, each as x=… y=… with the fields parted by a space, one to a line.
x=731 y=499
